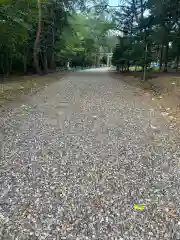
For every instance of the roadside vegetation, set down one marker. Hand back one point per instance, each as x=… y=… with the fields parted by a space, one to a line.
x=150 y=35
x=39 y=35
x=147 y=55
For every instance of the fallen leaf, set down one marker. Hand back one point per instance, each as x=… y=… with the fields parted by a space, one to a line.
x=139 y=206
x=172 y=213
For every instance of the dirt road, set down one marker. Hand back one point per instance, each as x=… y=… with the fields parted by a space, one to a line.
x=77 y=156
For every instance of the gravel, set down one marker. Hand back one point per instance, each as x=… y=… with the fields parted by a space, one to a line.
x=76 y=157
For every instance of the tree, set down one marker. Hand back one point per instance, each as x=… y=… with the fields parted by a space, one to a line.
x=153 y=27
x=82 y=41
x=37 y=34
x=36 y=49
x=15 y=28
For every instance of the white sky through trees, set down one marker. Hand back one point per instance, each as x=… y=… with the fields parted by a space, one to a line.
x=113 y=2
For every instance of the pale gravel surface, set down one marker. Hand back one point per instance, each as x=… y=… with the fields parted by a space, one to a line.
x=78 y=155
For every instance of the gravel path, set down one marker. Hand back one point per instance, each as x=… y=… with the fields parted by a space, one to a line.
x=77 y=157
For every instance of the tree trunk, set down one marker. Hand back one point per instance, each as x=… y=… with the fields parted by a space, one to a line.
x=53 y=35
x=25 y=63
x=7 y=64
x=36 y=49
x=177 y=63
x=142 y=9
x=161 y=57
x=45 y=62
x=128 y=66
x=166 y=57
x=52 y=63
x=10 y=64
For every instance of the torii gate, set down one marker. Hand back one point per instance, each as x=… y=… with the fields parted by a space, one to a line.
x=101 y=54
x=109 y=59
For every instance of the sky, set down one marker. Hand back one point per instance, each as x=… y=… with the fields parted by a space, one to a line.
x=113 y=2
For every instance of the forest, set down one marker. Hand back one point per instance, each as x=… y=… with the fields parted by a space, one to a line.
x=37 y=36
x=151 y=35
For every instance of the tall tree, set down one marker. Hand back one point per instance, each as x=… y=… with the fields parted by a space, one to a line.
x=155 y=25
x=36 y=50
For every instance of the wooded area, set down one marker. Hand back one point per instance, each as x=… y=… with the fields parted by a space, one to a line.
x=151 y=34
x=38 y=35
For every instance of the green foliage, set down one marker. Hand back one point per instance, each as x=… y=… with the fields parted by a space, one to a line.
x=153 y=27
x=65 y=35
x=15 y=26
x=81 y=42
